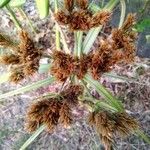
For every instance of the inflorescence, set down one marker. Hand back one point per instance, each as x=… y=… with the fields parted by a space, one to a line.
x=24 y=57
x=115 y=48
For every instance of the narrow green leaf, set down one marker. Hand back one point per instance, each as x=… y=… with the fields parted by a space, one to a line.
x=43 y=8
x=4 y=77
x=29 y=87
x=3 y=3
x=33 y=137
x=102 y=90
x=90 y=39
x=123 y=12
x=17 y=3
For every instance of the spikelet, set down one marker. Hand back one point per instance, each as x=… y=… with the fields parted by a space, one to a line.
x=82 y=65
x=52 y=115
x=16 y=75
x=62 y=18
x=65 y=115
x=62 y=65
x=100 y=18
x=31 y=126
x=83 y=4
x=69 y=5
x=125 y=124
x=101 y=60
x=104 y=126
x=30 y=69
x=37 y=110
x=72 y=93
x=80 y=20
x=9 y=59
x=129 y=22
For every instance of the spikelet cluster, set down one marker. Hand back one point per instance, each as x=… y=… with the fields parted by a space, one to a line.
x=24 y=59
x=72 y=93
x=107 y=125
x=64 y=65
x=118 y=47
x=53 y=111
x=82 y=18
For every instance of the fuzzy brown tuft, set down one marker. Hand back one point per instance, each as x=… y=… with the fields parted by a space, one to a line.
x=9 y=59
x=62 y=66
x=62 y=18
x=80 y=20
x=65 y=115
x=72 y=93
x=125 y=124
x=44 y=112
x=69 y=5
x=83 y=4
x=100 y=18
x=16 y=75
x=82 y=65
x=102 y=60
x=129 y=22
x=108 y=124
x=31 y=126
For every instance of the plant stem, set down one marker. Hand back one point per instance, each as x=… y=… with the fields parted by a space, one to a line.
x=24 y=15
x=13 y=16
x=57 y=31
x=123 y=13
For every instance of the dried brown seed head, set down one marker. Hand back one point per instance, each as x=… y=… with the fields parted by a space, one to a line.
x=16 y=76
x=65 y=115
x=72 y=93
x=125 y=124
x=37 y=110
x=62 y=18
x=80 y=20
x=83 y=4
x=69 y=4
x=31 y=126
x=9 y=59
x=100 y=18
x=129 y=22
x=62 y=65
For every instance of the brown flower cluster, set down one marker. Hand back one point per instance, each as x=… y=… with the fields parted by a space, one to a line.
x=64 y=65
x=107 y=125
x=118 y=47
x=82 y=18
x=53 y=111
x=24 y=57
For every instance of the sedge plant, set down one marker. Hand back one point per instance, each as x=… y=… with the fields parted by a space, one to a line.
x=78 y=69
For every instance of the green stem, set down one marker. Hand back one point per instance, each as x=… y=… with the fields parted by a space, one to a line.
x=24 y=15
x=79 y=43
x=106 y=94
x=13 y=16
x=123 y=13
x=57 y=30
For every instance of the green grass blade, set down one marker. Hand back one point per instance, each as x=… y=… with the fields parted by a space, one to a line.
x=90 y=39
x=123 y=12
x=29 y=87
x=3 y=3
x=43 y=8
x=33 y=137
x=4 y=77
x=106 y=94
